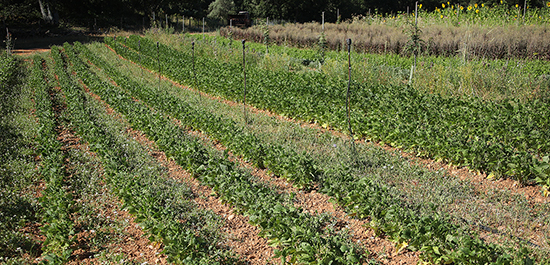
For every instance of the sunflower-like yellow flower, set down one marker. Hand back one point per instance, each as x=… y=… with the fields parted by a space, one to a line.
x=548 y=4
x=517 y=5
x=482 y=5
x=420 y=6
x=441 y=16
x=443 y=5
x=461 y=8
x=470 y=8
x=475 y=5
x=477 y=11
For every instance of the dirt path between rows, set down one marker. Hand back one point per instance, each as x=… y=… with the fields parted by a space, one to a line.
x=27 y=52
x=134 y=243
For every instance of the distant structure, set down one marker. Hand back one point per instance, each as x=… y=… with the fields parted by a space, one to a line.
x=241 y=20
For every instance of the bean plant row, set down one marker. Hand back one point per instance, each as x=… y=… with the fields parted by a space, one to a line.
x=56 y=202
x=18 y=164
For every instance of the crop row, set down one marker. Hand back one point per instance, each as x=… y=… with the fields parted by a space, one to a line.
x=501 y=138
x=298 y=235
x=56 y=202
x=18 y=165
x=158 y=203
x=435 y=235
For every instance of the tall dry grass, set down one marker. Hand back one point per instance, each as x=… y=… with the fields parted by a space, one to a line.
x=494 y=42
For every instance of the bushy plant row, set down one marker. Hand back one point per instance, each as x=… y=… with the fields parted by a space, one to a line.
x=297 y=235
x=8 y=65
x=500 y=138
x=439 y=240
x=159 y=204
x=18 y=167
x=56 y=202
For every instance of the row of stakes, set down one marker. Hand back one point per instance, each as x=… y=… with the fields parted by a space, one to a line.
x=247 y=121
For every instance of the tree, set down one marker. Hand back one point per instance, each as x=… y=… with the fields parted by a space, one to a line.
x=220 y=9
x=49 y=13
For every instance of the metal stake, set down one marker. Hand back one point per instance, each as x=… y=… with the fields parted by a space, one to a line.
x=194 y=72
x=323 y=19
x=139 y=52
x=158 y=61
x=244 y=72
x=353 y=149
x=349 y=82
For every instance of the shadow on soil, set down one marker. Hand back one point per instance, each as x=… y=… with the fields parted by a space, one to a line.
x=28 y=38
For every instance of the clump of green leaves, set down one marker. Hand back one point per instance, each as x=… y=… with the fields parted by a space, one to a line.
x=415 y=43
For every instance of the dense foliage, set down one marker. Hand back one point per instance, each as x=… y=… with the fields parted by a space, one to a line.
x=157 y=202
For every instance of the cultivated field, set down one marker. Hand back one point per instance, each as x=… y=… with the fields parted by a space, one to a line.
x=149 y=149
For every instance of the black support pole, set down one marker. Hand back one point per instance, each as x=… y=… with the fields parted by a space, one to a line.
x=244 y=79
x=348 y=92
x=194 y=72
x=139 y=52
x=158 y=60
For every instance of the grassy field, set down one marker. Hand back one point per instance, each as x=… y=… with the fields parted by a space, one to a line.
x=448 y=76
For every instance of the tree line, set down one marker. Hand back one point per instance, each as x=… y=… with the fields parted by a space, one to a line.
x=74 y=12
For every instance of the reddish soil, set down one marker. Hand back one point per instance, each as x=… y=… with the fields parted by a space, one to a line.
x=379 y=248
x=26 y=52
x=241 y=236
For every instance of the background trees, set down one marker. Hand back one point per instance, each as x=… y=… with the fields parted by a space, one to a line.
x=80 y=13
x=220 y=9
